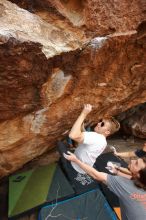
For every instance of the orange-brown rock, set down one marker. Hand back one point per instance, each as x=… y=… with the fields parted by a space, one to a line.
x=50 y=68
x=94 y=16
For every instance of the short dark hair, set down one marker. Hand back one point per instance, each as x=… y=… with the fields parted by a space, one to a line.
x=141 y=180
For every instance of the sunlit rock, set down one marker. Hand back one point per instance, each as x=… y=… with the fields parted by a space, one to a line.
x=58 y=55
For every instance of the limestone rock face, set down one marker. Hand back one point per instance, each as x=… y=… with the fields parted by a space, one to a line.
x=57 y=56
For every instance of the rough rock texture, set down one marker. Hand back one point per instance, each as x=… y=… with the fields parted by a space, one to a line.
x=51 y=65
x=133 y=121
x=95 y=16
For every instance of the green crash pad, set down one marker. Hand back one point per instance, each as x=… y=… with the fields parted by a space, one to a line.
x=33 y=188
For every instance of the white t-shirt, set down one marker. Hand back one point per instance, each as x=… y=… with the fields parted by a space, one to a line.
x=93 y=145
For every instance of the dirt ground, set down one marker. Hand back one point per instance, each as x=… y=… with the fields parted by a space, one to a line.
x=121 y=144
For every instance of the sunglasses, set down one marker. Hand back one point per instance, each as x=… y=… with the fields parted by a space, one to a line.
x=101 y=122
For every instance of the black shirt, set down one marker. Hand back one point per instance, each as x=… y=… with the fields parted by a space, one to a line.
x=140 y=153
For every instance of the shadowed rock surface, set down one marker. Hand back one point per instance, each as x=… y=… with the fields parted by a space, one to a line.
x=57 y=56
x=133 y=121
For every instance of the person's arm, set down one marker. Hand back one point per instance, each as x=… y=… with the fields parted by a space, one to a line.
x=121 y=171
x=144 y=147
x=125 y=154
x=100 y=176
x=76 y=132
x=138 y=153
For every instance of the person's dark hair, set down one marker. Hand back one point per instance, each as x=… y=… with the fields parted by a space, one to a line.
x=141 y=180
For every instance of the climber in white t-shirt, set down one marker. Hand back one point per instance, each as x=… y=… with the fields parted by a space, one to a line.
x=91 y=143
